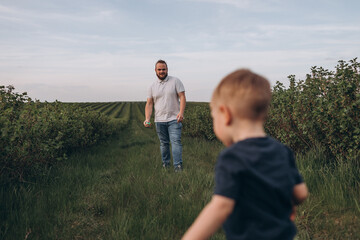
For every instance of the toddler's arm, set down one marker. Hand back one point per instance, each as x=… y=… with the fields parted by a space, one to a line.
x=300 y=193
x=210 y=218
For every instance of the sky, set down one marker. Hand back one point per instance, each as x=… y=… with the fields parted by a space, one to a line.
x=105 y=50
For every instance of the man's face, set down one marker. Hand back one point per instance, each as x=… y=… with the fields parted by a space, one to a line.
x=161 y=71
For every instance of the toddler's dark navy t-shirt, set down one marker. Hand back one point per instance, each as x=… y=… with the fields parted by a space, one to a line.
x=259 y=174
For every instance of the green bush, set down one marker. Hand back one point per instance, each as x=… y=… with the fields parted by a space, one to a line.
x=323 y=108
x=34 y=134
x=198 y=122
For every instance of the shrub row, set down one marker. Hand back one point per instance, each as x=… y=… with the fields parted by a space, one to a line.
x=34 y=134
x=322 y=109
x=197 y=122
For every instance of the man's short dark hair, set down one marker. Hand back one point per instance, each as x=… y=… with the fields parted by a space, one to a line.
x=161 y=61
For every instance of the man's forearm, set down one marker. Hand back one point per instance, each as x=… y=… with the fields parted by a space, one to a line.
x=148 y=111
x=182 y=104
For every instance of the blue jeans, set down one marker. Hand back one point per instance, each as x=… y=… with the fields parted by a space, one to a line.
x=170 y=132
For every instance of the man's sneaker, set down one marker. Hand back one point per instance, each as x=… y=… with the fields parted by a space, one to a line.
x=165 y=166
x=178 y=168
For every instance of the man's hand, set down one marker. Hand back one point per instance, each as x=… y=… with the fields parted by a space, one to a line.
x=180 y=117
x=147 y=123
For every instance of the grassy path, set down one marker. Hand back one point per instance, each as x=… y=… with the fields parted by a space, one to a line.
x=116 y=191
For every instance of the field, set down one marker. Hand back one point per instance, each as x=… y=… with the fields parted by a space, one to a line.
x=118 y=190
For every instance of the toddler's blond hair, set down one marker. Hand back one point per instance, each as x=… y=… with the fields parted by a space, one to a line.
x=247 y=94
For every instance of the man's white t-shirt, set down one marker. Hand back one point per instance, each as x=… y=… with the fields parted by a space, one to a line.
x=165 y=96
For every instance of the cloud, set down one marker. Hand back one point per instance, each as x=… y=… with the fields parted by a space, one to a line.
x=276 y=64
x=100 y=92
x=311 y=28
x=7 y=10
x=251 y=5
x=42 y=16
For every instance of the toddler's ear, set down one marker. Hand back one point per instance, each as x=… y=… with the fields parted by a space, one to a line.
x=226 y=113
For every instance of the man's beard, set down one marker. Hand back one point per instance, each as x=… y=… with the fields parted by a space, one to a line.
x=161 y=78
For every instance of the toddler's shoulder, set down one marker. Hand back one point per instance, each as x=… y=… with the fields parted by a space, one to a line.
x=232 y=158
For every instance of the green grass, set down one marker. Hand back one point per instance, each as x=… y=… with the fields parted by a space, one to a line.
x=118 y=190
x=113 y=191
x=332 y=210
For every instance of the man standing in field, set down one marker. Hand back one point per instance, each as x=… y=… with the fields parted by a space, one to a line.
x=167 y=96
